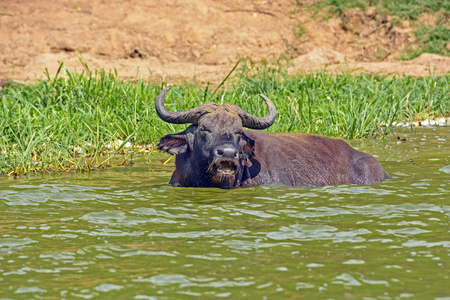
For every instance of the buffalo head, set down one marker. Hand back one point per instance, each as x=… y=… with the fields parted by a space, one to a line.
x=214 y=149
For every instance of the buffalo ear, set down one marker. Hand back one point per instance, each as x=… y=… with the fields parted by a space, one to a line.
x=177 y=143
x=247 y=145
x=173 y=144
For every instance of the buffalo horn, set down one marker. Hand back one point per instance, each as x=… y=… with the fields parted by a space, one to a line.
x=253 y=122
x=182 y=117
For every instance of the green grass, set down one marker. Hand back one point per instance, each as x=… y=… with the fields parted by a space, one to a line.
x=346 y=106
x=340 y=6
x=410 y=9
x=429 y=39
x=69 y=124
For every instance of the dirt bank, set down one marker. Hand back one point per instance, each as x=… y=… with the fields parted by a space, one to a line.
x=196 y=39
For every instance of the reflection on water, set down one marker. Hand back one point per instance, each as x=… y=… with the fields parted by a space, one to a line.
x=125 y=233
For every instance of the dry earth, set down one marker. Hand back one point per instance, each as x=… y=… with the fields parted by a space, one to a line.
x=200 y=39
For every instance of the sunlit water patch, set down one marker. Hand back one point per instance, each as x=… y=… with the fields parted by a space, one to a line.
x=126 y=233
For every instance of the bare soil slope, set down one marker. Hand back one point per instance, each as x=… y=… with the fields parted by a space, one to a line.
x=200 y=39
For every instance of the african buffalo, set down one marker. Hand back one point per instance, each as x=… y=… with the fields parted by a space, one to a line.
x=215 y=151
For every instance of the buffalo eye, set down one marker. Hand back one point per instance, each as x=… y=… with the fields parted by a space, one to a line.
x=205 y=130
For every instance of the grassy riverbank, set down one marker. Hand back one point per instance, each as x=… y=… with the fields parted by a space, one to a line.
x=428 y=37
x=82 y=122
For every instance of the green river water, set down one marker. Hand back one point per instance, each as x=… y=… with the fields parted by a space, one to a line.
x=124 y=233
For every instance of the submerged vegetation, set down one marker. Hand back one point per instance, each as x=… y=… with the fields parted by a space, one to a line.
x=84 y=120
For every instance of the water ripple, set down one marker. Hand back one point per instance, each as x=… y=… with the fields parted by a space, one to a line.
x=186 y=281
x=119 y=218
x=115 y=250
x=318 y=232
x=8 y=244
x=37 y=194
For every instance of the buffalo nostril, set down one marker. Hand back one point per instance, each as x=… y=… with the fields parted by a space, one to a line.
x=227 y=152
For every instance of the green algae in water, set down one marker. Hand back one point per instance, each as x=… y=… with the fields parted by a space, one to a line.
x=125 y=233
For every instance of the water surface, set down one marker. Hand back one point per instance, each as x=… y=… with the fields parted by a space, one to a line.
x=125 y=233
